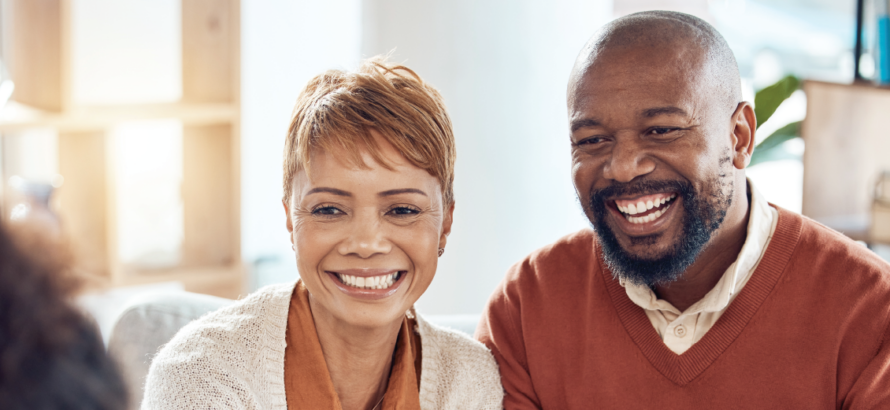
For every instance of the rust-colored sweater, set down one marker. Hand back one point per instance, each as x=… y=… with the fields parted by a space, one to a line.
x=808 y=331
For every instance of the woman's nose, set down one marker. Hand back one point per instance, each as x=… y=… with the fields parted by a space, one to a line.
x=628 y=160
x=366 y=238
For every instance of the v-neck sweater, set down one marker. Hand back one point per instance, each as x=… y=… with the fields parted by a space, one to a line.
x=808 y=330
x=233 y=358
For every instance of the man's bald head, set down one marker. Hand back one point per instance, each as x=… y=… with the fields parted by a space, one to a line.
x=656 y=32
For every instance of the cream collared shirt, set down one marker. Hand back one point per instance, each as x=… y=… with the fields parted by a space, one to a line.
x=680 y=330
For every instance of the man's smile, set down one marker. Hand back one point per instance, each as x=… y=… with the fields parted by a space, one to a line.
x=645 y=208
x=642 y=215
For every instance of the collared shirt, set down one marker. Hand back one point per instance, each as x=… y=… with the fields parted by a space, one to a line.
x=680 y=330
x=307 y=382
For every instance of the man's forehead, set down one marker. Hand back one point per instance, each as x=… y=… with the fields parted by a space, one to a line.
x=654 y=59
x=659 y=77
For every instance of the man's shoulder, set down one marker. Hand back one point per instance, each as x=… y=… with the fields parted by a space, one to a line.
x=580 y=244
x=828 y=263
x=572 y=254
x=838 y=251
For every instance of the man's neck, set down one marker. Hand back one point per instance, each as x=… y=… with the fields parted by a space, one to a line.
x=712 y=262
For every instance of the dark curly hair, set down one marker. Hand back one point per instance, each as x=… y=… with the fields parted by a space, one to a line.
x=51 y=355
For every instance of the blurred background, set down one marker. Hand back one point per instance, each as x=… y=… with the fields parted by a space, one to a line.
x=151 y=133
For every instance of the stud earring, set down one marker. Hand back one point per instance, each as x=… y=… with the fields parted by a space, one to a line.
x=441 y=251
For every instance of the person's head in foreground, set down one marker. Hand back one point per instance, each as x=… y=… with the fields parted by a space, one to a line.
x=368 y=197
x=51 y=356
x=691 y=291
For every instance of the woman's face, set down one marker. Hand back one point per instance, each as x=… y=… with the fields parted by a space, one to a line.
x=366 y=240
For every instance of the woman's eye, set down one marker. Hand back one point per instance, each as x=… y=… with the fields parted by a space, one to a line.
x=403 y=211
x=326 y=211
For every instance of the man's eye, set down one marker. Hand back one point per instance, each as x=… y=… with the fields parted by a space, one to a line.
x=590 y=141
x=661 y=130
x=403 y=211
x=326 y=211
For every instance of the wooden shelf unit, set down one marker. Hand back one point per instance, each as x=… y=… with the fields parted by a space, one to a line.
x=40 y=65
x=847 y=148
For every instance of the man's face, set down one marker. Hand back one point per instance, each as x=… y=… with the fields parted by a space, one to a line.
x=651 y=159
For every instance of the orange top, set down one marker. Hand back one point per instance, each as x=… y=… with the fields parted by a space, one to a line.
x=810 y=330
x=307 y=383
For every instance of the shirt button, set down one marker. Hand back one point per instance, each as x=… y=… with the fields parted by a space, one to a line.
x=680 y=331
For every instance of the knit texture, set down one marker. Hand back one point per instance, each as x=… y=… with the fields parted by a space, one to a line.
x=233 y=358
x=810 y=330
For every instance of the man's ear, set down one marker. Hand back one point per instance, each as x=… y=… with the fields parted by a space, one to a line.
x=744 y=126
x=447 y=220
x=290 y=223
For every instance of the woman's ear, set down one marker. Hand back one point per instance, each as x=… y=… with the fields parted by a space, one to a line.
x=744 y=126
x=447 y=220
x=290 y=223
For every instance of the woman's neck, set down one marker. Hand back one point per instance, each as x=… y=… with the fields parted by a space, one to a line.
x=359 y=359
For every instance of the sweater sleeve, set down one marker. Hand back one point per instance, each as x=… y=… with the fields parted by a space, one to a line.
x=500 y=330
x=178 y=380
x=872 y=388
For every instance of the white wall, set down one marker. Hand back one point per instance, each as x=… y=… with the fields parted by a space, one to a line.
x=284 y=44
x=502 y=68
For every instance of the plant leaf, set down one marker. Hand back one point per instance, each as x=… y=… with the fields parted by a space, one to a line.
x=776 y=154
x=772 y=148
x=767 y=100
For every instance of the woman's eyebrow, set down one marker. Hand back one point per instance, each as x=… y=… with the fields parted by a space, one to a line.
x=401 y=191
x=334 y=191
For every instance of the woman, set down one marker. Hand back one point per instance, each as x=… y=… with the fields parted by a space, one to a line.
x=368 y=197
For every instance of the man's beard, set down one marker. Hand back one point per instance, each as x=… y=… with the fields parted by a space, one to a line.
x=702 y=216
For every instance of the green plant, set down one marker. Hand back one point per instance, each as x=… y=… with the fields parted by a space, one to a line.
x=766 y=101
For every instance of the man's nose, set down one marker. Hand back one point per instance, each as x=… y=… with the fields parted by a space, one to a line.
x=366 y=237
x=628 y=160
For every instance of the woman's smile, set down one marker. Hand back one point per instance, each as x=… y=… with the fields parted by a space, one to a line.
x=368 y=284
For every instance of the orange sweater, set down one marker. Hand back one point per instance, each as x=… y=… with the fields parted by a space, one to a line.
x=808 y=331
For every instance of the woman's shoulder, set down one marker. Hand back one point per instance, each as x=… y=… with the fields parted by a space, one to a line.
x=259 y=314
x=458 y=371
x=221 y=355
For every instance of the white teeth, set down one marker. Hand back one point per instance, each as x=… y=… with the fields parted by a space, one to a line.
x=648 y=218
x=641 y=206
x=371 y=282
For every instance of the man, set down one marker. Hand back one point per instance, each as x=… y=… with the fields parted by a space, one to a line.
x=691 y=291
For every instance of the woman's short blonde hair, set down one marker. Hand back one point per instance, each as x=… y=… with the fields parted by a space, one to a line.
x=339 y=109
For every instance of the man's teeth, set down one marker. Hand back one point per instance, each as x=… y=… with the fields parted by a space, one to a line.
x=641 y=206
x=648 y=218
x=369 y=282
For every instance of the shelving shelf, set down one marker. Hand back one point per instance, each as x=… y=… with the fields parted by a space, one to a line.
x=37 y=47
x=16 y=116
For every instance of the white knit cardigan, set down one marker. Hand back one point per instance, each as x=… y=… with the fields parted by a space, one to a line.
x=233 y=358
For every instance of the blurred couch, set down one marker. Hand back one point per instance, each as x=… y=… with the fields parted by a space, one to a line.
x=148 y=321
